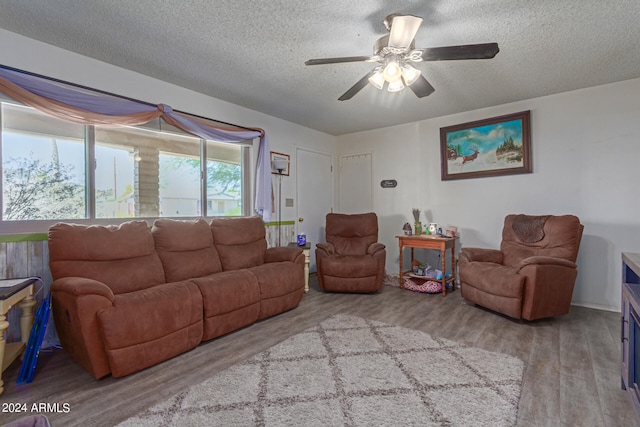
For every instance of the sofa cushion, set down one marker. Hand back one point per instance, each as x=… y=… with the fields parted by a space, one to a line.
x=278 y=278
x=231 y=301
x=185 y=248
x=240 y=241
x=149 y=326
x=122 y=257
x=281 y=286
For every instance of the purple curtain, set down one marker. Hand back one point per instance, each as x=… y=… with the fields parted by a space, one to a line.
x=86 y=106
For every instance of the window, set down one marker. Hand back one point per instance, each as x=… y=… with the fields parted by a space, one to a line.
x=114 y=179
x=142 y=172
x=149 y=171
x=43 y=171
x=179 y=184
x=224 y=178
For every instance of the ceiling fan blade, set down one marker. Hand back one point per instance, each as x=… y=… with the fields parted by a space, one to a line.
x=470 y=51
x=422 y=87
x=337 y=60
x=357 y=87
x=403 y=31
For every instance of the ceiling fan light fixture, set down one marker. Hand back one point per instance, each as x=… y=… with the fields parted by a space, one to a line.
x=377 y=80
x=392 y=71
x=410 y=74
x=395 y=86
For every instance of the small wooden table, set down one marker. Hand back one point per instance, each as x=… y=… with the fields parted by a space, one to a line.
x=306 y=249
x=426 y=241
x=20 y=293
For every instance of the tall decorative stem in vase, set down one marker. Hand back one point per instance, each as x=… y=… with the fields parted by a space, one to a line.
x=417 y=224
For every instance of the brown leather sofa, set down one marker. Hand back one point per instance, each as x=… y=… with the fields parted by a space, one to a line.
x=128 y=297
x=532 y=275
x=351 y=260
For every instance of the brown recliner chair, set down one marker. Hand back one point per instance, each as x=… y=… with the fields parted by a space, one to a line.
x=532 y=275
x=351 y=260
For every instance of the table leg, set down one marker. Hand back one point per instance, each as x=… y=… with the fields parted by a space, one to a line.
x=453 y=266
x=400 y=281
x=306 y=272
x=9 y=352
x=4 y=325
x=443 y=254
x=26 y=320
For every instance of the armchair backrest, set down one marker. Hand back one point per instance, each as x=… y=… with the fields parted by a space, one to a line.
x=352 y=234
x=524 y=236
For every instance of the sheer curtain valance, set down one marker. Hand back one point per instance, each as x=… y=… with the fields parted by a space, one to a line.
x=85 y=106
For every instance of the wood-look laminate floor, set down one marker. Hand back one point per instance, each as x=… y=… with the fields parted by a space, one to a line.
x=572 y=374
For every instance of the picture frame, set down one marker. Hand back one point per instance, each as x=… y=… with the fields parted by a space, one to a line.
x=280 y=156
x=490 y=147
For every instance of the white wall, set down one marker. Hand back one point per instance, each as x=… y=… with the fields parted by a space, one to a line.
x=585 y=150
x=40 y=58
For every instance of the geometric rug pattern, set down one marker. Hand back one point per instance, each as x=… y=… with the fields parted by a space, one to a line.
x=349 y=371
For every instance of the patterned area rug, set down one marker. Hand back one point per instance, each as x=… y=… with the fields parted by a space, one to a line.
x=349 y=371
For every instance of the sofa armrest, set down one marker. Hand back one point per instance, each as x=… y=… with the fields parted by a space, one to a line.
x=546 y=260
x=77 y=286
x=549 y=284
x=375 y=247
x=76 y=302
x=327 y=248
x=482 y=255
x=279 y=254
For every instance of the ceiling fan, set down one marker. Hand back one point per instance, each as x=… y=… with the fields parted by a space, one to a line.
x=396 y=52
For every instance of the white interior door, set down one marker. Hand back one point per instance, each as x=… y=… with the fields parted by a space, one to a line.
x=314 y=180
x=355 y=184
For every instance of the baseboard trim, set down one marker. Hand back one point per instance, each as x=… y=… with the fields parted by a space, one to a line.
x=596 y=306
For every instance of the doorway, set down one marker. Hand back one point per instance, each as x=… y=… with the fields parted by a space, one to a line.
x=355 y=184
x=314 y=192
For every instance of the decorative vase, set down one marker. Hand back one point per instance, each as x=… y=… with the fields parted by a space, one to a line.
x=418 y=228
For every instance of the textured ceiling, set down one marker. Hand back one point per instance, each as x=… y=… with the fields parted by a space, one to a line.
x=252 y=53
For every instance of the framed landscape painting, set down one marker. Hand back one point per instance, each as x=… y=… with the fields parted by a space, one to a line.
x=489 y=147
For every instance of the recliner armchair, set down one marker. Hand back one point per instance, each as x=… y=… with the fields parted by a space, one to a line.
x=532 y=275
x=351 y=260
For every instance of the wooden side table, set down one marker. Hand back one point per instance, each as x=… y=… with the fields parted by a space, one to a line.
x=306 y=250
x=425 y=241
x=21 y=293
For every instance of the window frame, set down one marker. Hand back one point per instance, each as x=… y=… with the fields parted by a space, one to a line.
x=39 y=226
